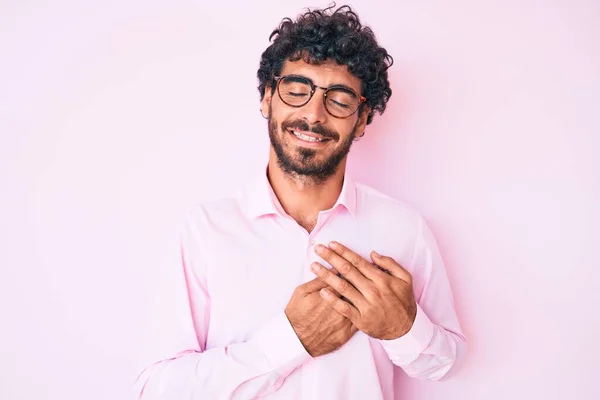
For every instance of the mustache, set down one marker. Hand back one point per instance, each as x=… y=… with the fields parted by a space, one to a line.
x=302 y=125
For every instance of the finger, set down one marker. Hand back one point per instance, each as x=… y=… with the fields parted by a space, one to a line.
x=334 y=291
x=312 y=286
x=364 y=266
x=340 y=285
x=345 y=267
x=392 y=266
x=344 y=308
x=317 y=284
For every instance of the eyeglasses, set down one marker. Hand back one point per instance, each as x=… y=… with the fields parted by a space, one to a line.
x=296 y=91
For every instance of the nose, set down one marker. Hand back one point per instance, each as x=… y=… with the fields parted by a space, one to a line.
x=314 y=111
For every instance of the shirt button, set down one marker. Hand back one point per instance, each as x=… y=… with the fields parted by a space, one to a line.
x=311 y=242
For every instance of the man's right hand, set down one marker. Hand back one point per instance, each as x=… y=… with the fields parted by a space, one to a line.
x=320 y=328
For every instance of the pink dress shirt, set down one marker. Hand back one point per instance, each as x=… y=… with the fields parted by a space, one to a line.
x=243 y=257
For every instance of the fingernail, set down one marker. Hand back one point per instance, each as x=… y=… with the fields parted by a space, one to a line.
x=333 y=245
x=319 y=248
x=315 y=267
x=376 y=254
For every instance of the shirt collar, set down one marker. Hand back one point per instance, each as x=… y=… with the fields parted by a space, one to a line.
x=258 y=197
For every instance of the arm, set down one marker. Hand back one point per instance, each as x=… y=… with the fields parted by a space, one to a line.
x=435 y=342
x=190 y=370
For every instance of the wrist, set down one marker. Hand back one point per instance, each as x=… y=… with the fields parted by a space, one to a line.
x=408 y=321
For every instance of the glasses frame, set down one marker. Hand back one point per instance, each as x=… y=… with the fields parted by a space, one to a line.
x=313 y=89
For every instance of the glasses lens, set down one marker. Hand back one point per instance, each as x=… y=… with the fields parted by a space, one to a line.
x=341 y=102
x=294 y=91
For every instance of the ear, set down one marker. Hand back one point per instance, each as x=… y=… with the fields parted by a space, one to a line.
x=266 y=101
x=362 y=120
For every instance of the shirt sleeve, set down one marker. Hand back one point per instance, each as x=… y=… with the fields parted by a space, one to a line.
x=187 y=369
x=435 y=343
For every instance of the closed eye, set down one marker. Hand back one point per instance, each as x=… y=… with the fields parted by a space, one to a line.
x=296 y=94
x=337 y=103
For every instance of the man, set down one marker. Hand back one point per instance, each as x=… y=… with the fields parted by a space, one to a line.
x=289 y=297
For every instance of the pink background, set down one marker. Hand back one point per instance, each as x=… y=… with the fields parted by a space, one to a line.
x=116 y=117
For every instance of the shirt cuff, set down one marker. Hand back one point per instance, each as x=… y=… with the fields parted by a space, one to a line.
x=406 y=349
x=280 y=345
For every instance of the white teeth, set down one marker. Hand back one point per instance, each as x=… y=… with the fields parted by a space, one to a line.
x=306 y=137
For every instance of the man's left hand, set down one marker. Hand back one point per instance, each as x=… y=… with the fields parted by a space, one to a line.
x=381 y=304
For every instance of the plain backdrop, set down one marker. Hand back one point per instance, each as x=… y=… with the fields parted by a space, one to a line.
x=117 y=116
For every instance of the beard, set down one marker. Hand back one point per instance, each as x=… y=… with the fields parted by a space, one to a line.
x=302 y=162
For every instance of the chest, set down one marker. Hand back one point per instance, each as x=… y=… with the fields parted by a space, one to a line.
x=252 y=273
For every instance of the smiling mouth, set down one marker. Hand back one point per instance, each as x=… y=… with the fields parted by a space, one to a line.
x=308 y=138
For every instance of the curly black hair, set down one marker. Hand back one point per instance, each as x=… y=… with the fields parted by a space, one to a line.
x=319 y=36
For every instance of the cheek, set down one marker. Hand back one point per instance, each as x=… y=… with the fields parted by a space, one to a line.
x=345 y=129
x=276 y=109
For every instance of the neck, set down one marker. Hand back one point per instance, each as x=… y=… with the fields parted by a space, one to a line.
x=301 y=197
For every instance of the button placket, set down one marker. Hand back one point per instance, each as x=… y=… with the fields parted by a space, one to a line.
x=310 y=255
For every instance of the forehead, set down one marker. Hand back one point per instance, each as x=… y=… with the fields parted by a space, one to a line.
x=325 y=75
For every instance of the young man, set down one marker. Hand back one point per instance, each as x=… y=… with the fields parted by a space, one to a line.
x=289 y=297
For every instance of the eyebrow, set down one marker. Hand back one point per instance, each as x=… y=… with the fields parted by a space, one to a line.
x=335 y=85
